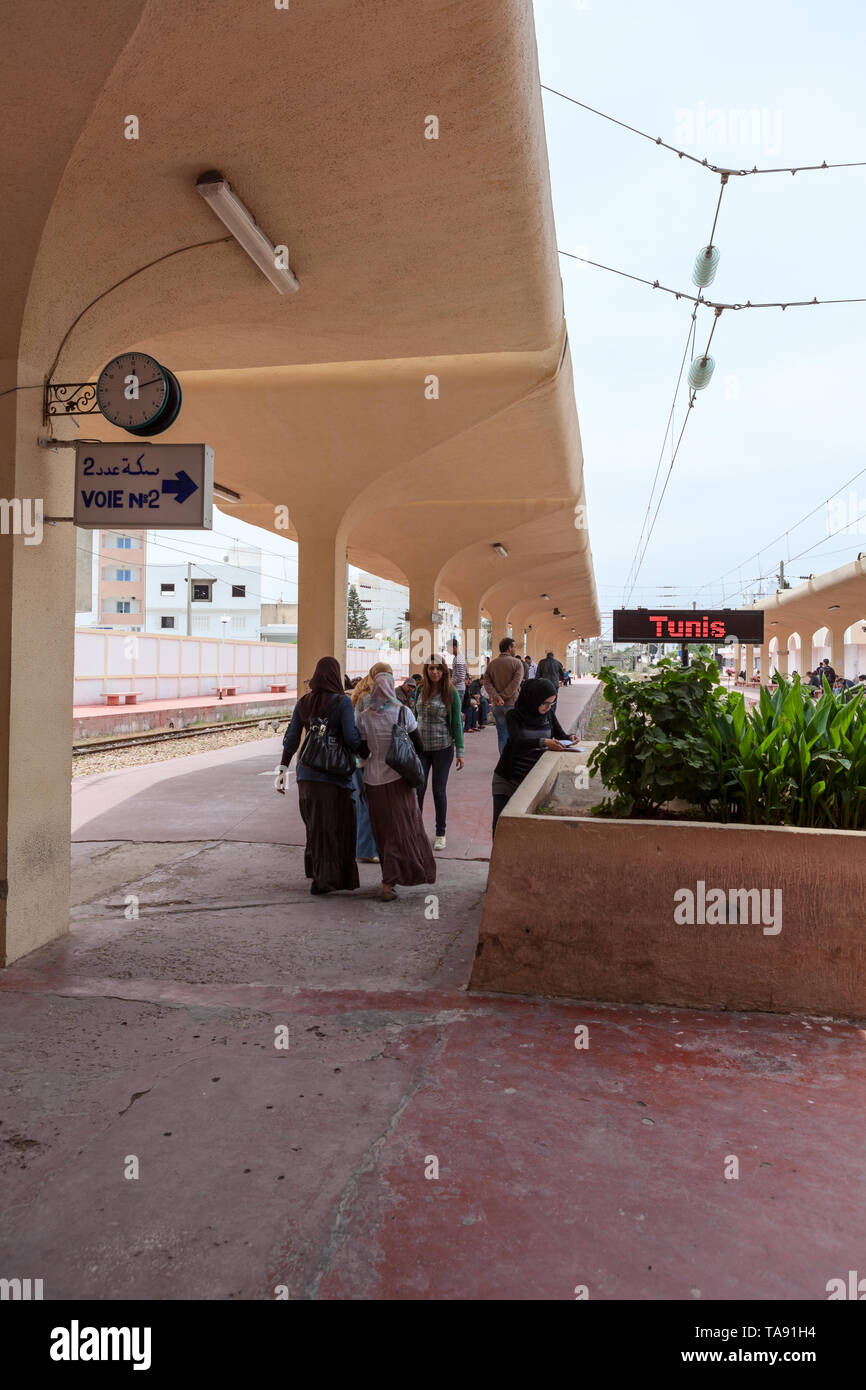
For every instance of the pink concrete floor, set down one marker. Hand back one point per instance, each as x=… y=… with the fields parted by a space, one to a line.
x=150 y=1031
x=186 y=702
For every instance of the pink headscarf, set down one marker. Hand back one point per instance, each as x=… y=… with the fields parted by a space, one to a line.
x=382 y=694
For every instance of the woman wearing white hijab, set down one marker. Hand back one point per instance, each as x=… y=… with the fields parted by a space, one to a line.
x=404 y=850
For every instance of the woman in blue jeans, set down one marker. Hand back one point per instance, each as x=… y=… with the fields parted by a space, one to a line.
x=439 y=712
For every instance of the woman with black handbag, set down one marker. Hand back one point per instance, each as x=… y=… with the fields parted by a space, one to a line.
x=391 y=774
x=325 y=766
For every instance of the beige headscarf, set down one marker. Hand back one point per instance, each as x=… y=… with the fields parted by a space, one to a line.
x=365 y=686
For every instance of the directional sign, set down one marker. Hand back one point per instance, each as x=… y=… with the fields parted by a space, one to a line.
x=147 y=486
x=713 y=626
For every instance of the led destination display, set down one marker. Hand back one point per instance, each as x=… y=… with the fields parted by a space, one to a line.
x=713 y=626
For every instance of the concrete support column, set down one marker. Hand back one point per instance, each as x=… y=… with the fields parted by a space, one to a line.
x=782 y=657
x=501 y=627
x=321 y=595
x=749 y=663
x=425 y=636
x=37 y=617
x=470 y=621
x=765 y=663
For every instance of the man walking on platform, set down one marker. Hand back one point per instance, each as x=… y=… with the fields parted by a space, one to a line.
x=551 y=670
x=502 y=681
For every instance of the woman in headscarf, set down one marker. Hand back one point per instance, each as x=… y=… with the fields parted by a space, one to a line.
x=365 y=844
x=533 y=729
x=325 y=798
x=395 y=816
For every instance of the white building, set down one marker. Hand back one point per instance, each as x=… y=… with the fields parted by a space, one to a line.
x=384 y=602
x=192 y=598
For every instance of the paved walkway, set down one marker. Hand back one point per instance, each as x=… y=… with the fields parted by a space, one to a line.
x=153 y=1032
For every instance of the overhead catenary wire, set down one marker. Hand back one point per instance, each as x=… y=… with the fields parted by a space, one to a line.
x=693 y=158
x=783 y=535
x=712 y=303
x=630 y=585
x=637 y=562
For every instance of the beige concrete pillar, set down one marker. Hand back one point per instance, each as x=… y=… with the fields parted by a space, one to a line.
x=425 y=636
x=321 y=595
x=782 y=656
x=765 y=663
x=37 y=616
x=473 y=636
x=501 y=627
x=749 y=662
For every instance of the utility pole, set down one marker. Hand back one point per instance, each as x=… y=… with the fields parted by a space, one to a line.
x=188 y=599
x=783 y=583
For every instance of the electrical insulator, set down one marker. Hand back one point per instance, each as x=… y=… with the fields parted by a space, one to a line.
x=700 y=372
x=706 y=265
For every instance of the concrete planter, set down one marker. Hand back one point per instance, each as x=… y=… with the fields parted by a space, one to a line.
x=584 y=908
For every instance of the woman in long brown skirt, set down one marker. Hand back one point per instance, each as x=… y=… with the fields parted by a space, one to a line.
x=395 y=818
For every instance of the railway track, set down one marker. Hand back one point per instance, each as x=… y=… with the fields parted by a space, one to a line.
x=80 y=750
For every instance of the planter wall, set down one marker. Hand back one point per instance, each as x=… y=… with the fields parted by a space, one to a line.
x=583 y=908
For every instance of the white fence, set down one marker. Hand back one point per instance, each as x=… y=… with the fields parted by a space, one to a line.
x=168 y=667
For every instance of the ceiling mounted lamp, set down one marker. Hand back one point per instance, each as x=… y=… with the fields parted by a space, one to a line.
x=547 y=596
x=500 y=549
x=225 y=494
x=271 y=261
x=831 y=606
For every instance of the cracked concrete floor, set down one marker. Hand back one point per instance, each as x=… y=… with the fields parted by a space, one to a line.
x=410 y=1141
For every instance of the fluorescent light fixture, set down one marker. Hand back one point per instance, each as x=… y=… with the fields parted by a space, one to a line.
x=225 y=494
x=219 y=194
x=500 y=549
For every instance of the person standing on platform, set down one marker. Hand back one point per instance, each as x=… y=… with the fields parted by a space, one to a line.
x=365 y=844
x=325 y=798
x=406 y=692
x=551 y=670
x=502 y=681
x=458 y=675
x=395 y=815
x=438 y=709
x=533 y=729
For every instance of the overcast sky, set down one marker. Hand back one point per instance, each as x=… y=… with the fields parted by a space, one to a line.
x=781 y=425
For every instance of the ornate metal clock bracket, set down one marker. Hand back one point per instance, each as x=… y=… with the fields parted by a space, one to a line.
x=69 y=398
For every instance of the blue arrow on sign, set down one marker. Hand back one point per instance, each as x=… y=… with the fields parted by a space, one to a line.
x=182 y=485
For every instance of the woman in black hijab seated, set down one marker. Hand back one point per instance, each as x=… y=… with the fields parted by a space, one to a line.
x=533 y=729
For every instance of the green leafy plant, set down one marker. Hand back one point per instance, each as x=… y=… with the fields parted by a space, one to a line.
x=660 y=748
x=788 y=760
x=791 y=760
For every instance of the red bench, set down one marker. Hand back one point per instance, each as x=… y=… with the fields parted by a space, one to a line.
x=278 y=689
x=226 y=690
x=127 y=697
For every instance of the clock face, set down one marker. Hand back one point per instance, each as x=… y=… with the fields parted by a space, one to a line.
x=132 y=390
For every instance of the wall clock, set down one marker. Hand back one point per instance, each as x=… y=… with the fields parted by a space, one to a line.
x=138 y=394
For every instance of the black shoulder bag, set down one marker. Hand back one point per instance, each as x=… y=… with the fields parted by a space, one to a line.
x=325 y=751
x=401 y=755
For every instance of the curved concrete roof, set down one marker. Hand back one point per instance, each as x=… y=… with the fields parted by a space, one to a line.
x=835 y=599
x=415 y=257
